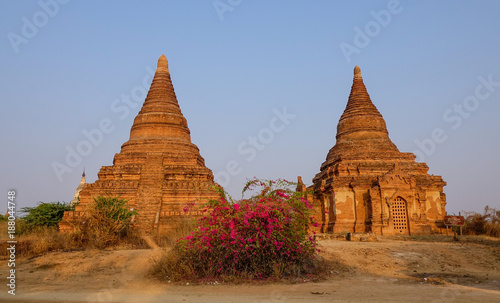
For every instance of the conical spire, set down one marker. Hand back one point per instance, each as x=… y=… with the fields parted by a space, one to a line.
x=161 y=96
x=361 y=128
x=359 y=106
x=160 y=125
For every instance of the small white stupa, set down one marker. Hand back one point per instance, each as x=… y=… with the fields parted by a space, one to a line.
x=76 y=197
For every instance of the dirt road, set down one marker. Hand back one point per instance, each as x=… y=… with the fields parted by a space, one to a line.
x=385 y=271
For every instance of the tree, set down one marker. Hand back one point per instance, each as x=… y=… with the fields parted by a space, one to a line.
x=43 y=215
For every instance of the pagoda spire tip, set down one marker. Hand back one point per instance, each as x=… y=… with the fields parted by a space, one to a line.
x=357 y=72
x=162 y=63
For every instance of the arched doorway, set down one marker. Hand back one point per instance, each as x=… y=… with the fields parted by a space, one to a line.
x=399 y=216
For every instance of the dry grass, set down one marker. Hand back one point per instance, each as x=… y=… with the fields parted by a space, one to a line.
x=487 y=223
x=42 y=241
x=182 y=230
x=4 y=231
x=45 y=240
x=481 y=239
x=169 y=267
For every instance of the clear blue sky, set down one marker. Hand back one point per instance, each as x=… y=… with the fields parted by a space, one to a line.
x=233 y=63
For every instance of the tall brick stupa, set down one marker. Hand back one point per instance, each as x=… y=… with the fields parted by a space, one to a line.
x=367 y=185
x=159 y=170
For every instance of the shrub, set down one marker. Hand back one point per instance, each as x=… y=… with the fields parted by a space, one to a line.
x=106 y=222
x=487 y=223
x=265 y=236
x=41 y=216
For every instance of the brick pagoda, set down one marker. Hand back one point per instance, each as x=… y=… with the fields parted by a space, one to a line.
x=159 y=170
x=367 y=185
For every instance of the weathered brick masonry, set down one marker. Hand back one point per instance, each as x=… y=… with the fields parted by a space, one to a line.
x=159 y=170
x=367 y=185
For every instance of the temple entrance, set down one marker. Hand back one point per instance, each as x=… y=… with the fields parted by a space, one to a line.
x=399 y=217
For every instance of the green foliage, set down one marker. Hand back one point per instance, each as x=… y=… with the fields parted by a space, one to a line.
x=107 y=220
x=113 y=208
x=43 y=215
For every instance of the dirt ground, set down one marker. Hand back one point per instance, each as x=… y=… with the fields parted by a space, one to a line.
x=390 y=270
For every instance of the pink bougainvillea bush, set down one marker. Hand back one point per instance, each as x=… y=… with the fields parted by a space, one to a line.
x=265 y=236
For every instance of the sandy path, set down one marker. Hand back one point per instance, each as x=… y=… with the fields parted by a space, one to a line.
x=386 y=271
x=345 y=290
